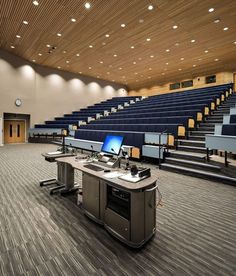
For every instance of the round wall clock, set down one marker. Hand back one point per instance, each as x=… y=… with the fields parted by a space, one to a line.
x=18 y=102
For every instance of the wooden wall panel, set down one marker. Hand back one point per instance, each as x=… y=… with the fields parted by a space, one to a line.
x=198 y=82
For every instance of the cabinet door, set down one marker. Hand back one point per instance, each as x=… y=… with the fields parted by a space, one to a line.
x=91 y=195
x=119 y=226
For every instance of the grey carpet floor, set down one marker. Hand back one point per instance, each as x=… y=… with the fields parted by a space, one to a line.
x=49 y=235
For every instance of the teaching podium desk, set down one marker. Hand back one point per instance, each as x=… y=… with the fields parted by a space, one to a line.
x=127 y=210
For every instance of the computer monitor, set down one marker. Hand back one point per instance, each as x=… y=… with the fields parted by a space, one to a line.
x=112 y=144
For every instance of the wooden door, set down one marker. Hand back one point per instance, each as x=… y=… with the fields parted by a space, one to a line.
x=14 y=131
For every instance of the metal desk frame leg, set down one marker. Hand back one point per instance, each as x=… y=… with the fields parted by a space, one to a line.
x=47 y=182
x=65 y=174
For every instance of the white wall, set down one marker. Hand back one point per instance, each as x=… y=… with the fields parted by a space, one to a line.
x=45 y=92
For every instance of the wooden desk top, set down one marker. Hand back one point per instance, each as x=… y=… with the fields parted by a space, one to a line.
x=78 y=164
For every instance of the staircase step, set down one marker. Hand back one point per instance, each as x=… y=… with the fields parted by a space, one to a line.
x=192 y=164
x=199 y=173
x=207 y=124
x=188 y=155
x=217 y=115
x=191 y=142
x=215 y=121
x=222 y=108
x=192 y=149
x=206 y=128
x=197 y=138
x=200 y=133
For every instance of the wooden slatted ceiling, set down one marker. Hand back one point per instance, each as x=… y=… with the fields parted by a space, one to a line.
x=148 y=63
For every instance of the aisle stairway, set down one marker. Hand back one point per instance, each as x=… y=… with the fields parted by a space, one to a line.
x=189 y=157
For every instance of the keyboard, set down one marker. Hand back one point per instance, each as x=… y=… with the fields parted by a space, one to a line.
x=93 y=167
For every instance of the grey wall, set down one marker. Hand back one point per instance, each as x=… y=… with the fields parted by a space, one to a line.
x=46 y=92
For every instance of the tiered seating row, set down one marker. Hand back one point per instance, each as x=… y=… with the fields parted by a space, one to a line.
x=172 y=113
x=70 y=120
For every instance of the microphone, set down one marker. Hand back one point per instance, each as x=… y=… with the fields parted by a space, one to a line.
x=92 y=150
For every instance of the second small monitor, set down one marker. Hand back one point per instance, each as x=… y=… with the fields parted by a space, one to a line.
x=112 y=144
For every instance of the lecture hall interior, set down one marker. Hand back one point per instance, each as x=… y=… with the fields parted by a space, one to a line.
x=117 y=137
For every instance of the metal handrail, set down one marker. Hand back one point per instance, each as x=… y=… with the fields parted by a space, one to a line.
x=160 y=147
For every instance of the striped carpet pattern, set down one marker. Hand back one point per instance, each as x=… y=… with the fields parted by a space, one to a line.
x=49 y=235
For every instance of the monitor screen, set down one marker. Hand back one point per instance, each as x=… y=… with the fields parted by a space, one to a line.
x=112 y=144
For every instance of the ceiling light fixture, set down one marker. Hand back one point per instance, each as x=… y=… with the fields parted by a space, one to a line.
x=150 y=7
x=40 y=54
x=107 y=35
x=180 y=69
x=59 y=67
x=217 y=20
x=148 y=39
x=167 y=50
x=114 y=55
x=12 y=46
x=216 y=59
x=90 y=68
x=151 y=56
x=120 y=68
x=175 y=27
x=150 y=68
x=67 y=61
x=101 y=62
x=193 y=40
x=141 y=21
x=122 y=25
x=36 y=3
x=225 y=28
x=182 y=58
x=73 y=20
x=64 y=52
x=194 y=65
x=234 y=42
x=77 y=55
x=48 y=45
x=18 y=36
x=211 y=9
x=176 y=44
x=58 y=34
x=167 y=63
x=25 y=22
x=132 y=47
x=206 y=51
x=33 y=60
x=134 y=62
x=87 y=5
x=90 y=46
